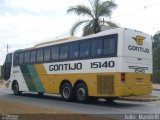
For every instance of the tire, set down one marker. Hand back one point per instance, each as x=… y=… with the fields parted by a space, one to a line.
x=15 y=88
x=67 y=92
x=81 y=93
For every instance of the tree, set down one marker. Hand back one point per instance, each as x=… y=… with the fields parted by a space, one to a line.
x=156 y=58
x=97 y=11
x=156 y=39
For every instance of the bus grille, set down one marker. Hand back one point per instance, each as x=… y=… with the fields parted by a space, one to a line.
x=105 y=84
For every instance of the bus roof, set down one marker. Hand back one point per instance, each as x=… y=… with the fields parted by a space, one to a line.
x=72 y=38
x=54 y=41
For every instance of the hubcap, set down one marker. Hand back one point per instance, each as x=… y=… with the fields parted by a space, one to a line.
x=81 y=93
x=66 y=92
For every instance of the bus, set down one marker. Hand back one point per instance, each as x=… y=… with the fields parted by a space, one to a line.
x=110 y=64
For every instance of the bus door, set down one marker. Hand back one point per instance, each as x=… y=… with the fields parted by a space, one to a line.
x=7 y=67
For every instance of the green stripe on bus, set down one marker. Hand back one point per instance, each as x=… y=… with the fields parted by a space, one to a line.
x=28 y=78
x=35 y=78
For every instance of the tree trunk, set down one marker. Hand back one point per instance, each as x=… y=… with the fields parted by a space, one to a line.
x=96 y=26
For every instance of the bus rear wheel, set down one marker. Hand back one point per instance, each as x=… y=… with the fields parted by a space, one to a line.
x=67 y=92
x=81 y=93
x=15 y=88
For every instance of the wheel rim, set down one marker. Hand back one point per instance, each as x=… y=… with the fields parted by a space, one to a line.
x=81 y=94
x=66 y=92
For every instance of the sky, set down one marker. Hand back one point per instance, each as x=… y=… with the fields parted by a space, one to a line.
x=24 y=23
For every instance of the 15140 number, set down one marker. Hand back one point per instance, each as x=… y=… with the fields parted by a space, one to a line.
x=105 y=64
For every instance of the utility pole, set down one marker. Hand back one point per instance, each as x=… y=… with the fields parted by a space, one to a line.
x=103 y=21
x=7 y=48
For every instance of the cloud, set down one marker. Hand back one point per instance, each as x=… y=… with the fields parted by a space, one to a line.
x=33 y=5
x=41 y=6
x=26 y=26
x=26 y=22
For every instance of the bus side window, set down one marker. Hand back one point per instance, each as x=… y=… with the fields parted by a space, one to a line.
x=109 y=48
x=84 y=49
x=33 y=56
x=21 y=58
x=26 y=56
x=16 y=59
x=40 y=55
x=55 y=53
x=64 y=52
x=74 y=50
x=47 y=55
x=97 y=46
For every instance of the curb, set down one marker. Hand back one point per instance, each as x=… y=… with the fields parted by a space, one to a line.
x=139 y=99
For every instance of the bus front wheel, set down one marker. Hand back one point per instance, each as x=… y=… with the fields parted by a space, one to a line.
x=67 y=92
x=15 y=88
x=81 y=92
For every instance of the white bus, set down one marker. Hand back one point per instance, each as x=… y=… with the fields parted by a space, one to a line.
x=110 y=64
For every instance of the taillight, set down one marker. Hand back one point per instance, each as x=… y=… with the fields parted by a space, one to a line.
x=123 y=78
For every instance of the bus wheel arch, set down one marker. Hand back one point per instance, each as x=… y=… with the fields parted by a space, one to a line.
x=15 y=88
x=66 y=90
x=81 y=91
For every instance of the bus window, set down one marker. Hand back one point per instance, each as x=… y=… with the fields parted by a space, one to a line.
x=39 y=55
x=109 y=48
x=64 y=52
x=16 y=59
x=74 y=50
x=21 y=58
x=84 y=49
x=97 y=47
x=47 y=54
x=33 y=56
x=55 y=53
x=26 y=56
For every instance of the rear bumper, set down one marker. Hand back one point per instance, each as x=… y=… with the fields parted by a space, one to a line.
x=133 y=91
x=126 y=91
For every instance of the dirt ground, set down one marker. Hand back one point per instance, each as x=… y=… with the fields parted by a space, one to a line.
x=19 y=111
